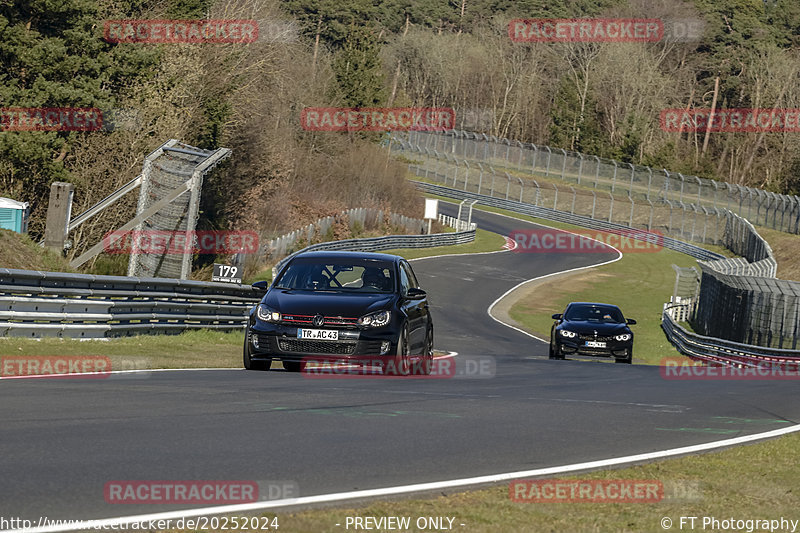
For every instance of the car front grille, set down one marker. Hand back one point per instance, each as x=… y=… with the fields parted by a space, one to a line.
x=601 y=338
x=317 y=347
x=307 y=320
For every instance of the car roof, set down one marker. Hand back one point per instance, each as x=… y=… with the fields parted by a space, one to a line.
x=348 y=255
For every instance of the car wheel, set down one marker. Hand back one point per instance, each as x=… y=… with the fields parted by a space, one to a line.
x=555 y=351
x=401 y=365
x=294 y=366
x=427 y=356
x=247 y=360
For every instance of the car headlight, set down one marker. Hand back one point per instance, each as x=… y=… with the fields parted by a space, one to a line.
x=266 y=314
x=622 y=337
x=567 y=333
x=375 y=320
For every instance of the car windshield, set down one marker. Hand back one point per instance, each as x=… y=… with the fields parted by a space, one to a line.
x=358 y=276
x=594 y=313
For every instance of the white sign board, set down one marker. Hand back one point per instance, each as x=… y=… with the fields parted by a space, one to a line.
x=431 y=208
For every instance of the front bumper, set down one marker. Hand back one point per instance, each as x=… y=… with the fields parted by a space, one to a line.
x=616 y=349
x=279 y=342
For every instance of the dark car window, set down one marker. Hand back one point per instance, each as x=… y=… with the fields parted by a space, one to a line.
x=594 y=313
x=340 y=276
x=412 y=279
x=405 y=283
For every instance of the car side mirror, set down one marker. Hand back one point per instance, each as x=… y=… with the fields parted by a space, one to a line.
x=631 y=321
x=261 y=285
x=415 y=293
x=557 y=316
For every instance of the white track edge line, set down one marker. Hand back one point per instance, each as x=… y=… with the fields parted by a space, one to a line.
x=407 y=489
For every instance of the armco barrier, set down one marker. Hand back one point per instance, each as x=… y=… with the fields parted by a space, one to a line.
x=714 y=350
x=57 y=304
x=377 y=244
x=761 y=255
x=560 y=216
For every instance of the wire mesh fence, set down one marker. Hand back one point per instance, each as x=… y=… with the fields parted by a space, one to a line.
x=682 y=220
x=738 y=299
x=561 y=168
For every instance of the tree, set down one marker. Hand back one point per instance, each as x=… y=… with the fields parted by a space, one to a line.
x=357 y=67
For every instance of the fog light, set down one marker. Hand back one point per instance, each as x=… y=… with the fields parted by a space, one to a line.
x=385 y=345
x=254 y=340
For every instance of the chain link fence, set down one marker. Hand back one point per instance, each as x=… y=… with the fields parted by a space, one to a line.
x=737 y=299
x=551 y=172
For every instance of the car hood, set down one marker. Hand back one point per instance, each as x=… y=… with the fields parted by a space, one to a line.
x=602 y=328
x=290 y=302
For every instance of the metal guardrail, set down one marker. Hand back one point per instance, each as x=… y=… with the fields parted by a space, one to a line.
x=38 y=304
x=562 y=216
x=377 y=244
x=57 y=304
x=710 y=348
x=714 y=350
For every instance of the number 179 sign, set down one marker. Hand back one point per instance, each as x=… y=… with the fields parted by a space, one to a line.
x=226 y=273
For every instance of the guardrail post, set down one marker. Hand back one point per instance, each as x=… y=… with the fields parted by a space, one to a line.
x=508 y=186
x=574 y=197
x=650 y=221
x=533 y=162
x=611 y=206
x=594 y=202
x=555 y=197
x=521 y=187
x=614 y=179
x=491 y=191
x=630 y=221
x=466 y=174
x=596 y=170
x=549 y=156
x=633 y=173
x=538 y=193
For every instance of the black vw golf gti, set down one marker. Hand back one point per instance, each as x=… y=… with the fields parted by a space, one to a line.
x=342 y=306
x=592 y=329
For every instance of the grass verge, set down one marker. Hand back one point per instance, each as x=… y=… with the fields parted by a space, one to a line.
x=757 y=481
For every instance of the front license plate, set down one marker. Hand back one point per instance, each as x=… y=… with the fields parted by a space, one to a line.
x=595 y=344
x=318 y=334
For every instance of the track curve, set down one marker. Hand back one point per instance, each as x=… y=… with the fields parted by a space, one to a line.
x=62 y=440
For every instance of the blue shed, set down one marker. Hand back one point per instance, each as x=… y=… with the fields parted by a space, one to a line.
x=13 y=215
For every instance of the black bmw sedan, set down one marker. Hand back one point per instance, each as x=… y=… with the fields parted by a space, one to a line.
x=345 y=307
x=593 y=329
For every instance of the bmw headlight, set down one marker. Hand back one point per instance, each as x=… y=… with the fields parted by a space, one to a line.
x=375 y=320
x=622 y=337
x=568 y=334
x=266 y=314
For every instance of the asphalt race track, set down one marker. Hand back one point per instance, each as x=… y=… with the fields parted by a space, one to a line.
x=64 y=439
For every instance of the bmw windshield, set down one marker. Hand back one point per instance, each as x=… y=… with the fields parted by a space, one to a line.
x=594 y=313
